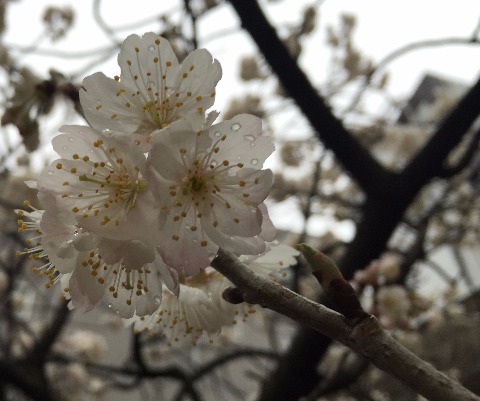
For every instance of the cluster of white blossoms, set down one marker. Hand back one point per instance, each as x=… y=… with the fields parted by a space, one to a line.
x=140 y=201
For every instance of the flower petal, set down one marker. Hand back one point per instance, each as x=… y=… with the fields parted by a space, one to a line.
x=244 y=141
x=108 y=103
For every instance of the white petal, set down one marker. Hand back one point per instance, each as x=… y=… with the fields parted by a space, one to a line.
x=269 y=231
x=109 y=104
x=244 y=142
x=278 y=257
x=134 y=254
x=135 y=63
x=84 y=289
x=185 y=249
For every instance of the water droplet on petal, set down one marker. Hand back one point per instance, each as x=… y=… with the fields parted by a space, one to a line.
x=247 y=259
x=151 y=48
x=50 y=172
x=254 y=162
x=214 y=163
x=252 y=144
x=157 y=299
x=217 y=134
x=71 y=139
x=64 y=148
x=250 y=138
x=236 y=127
x=109 y=305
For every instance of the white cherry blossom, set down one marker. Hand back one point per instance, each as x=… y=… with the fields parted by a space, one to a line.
x=210 y=186
x=153 y=88
x=127 y=289
x=200 y=310
x=124 y=273
x=102 y=181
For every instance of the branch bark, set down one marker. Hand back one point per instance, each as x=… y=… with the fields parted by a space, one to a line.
x=366 y=337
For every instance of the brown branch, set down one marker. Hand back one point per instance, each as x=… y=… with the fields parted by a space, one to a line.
x=366 y=338
x=30 y=380
x=193 y=21
x=43 y=345
x=208 y=367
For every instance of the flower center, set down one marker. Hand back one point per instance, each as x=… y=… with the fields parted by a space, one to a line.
x=196 y=184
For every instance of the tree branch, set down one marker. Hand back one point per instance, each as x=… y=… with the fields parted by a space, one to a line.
x=360 y=164
x=366 y=338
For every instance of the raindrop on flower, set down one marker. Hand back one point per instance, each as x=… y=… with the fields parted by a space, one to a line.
x=157 y=299
x=254 y=162
x=64 y=148
x=250 y=138
x=247 y=259
x=151 y=48
x=236 y=127
x=217 y=134
x=71 y=139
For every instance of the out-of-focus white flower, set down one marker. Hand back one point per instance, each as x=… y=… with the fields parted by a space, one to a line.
x=210 y=187
x=200 y=308
x=369 y=275
x=153 y=89
x=29 y=222
x=87 y=345
x=73 y=380
x=22 y=343
x=389 y=267
x=393 y=305
x=249 y=69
